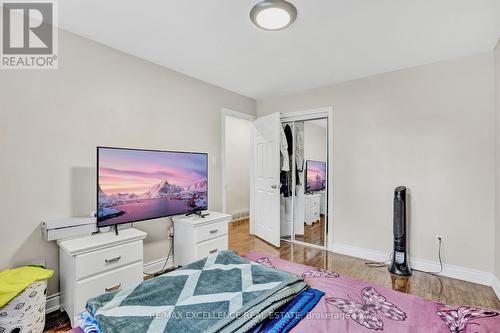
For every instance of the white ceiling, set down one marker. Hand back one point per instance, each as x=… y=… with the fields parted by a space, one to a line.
x=331 y=41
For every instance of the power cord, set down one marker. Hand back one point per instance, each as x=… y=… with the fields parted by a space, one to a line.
x=440 y=261
x=169 y=252
x=384 y=263
x=376 y=264
x=171 y=236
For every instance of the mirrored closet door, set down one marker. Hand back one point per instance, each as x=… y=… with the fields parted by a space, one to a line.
x=304 y=181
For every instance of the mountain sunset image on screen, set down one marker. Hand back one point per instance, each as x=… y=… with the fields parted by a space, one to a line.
x=135 y=185
x=316 y=176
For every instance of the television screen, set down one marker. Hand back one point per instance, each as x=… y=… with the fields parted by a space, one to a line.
x=315 y=176
x=135 y=185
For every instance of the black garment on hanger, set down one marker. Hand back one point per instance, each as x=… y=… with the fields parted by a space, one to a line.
x=286 y=176
x=289 y=139
x=284 y=184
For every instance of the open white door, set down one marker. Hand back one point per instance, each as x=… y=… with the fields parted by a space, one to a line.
x=266 y=178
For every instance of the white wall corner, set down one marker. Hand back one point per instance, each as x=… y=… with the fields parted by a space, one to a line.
x=452 y=271
x=496 y=286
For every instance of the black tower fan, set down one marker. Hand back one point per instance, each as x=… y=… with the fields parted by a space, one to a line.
x=399 y=264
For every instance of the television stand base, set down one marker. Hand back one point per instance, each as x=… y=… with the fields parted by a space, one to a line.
x=164 y=271
x=198 y=213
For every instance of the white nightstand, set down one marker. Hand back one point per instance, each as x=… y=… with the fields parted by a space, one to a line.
x=196 y=237
x=312 y=208
x=93 y=265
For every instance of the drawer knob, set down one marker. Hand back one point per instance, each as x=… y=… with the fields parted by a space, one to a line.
x=110 y=289
x=212 y=251
x=112 y=260
x=213 y=231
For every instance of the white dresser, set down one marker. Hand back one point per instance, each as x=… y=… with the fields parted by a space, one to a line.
x=196 y=237
x=312 y=208
x=93 y=265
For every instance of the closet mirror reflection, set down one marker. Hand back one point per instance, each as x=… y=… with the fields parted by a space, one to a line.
x=304 y=181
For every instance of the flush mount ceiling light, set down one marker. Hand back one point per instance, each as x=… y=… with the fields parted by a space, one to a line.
x=273 y=14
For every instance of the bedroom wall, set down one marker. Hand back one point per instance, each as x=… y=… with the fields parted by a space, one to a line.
x=497 y=165
x=430 y=128
x=51 y=122
x=237 y=154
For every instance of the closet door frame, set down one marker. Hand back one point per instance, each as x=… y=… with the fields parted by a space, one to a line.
x=311 y=114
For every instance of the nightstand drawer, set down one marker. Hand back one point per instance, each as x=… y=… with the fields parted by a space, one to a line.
x=100 y=261
x=315 y=200
x=210 y=247
x=210 y=231
x=195 y=237
x=315 y=212
x=107 y=282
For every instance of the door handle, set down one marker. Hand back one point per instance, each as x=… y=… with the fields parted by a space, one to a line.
x=212 y=251
x=110 y=289
x=213 y=231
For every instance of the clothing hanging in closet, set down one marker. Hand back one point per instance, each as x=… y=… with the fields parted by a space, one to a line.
x=286 y=176
x=284 y=158
x=299 y=155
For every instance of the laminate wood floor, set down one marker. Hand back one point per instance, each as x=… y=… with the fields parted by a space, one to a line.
x=436 y=288
x=314 y=233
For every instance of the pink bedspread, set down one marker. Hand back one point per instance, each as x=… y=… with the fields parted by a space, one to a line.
x=354 y=306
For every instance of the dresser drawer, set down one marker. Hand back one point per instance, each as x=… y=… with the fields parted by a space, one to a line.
x=96 y=262
x=210 y=231
x=315 y=212
x=205 y=249
x=117 y=279
x=315 y=201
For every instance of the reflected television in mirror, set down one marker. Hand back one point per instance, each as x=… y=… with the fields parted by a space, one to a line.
x=315 y=176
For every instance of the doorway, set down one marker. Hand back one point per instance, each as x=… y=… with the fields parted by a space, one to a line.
x=236 y=163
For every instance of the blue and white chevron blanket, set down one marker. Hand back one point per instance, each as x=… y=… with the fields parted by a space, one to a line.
x=221 y=293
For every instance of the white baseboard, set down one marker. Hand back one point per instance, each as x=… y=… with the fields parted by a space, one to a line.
x=496 y=286
x=359 y=252
x=157 y=265
x=54 y=301
x=456 y=272
x=244 y=214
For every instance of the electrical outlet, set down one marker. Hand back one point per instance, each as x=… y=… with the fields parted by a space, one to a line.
x=439 y=236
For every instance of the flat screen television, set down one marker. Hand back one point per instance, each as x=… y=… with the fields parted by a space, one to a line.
x=136 y=185
x=315 y=176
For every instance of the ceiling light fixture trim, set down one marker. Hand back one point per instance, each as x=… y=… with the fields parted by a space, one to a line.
x=273 y=15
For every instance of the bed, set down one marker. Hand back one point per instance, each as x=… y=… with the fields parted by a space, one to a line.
x=345 y=304
x=354 y=306
x=220 y=293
